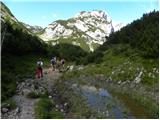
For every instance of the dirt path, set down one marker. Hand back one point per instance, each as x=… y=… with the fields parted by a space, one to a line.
x=25 y=105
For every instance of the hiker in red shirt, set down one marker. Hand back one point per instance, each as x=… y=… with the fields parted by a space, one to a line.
x=39 y=72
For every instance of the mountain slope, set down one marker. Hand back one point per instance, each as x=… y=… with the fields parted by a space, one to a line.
x=7 y=16
x=19 y=51
x=90 y=27
x=34 y=29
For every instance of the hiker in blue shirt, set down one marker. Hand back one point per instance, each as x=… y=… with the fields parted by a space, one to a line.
x=53 y=63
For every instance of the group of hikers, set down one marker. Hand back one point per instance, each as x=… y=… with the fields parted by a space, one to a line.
x=55 y=63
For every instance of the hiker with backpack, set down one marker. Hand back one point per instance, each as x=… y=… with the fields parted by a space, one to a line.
x=61 y=65
x=62 y=62
x=53 y=63
x=39 y=72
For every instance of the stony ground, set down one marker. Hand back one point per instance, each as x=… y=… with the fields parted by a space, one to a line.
x=25 y=105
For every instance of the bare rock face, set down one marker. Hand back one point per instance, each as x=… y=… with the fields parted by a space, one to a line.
x=91 y=26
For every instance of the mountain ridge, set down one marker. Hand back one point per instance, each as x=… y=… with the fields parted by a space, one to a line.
x=92 y=27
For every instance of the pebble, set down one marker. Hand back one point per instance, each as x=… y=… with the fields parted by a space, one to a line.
x=119 y=82
x=57 y=106
x=49 y=96
x=65 y=104
x=17 y=110
x=62 y=110
x=4 y=110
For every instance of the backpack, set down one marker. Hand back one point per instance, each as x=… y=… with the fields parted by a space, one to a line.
x=39 y=65
x=53 y=61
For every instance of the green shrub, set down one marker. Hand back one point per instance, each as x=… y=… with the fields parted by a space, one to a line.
x=45 y=110
x=55 y=115
x=33 y=95
x=8 y=85
x=9 y=104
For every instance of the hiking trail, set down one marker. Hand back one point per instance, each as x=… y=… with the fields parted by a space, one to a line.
x=25 y=106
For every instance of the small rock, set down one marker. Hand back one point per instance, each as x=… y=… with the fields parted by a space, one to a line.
x=25 y=92
x=49 y=96
x=107 y=113
x=65 y=104
x=74 y=85
x=80 y=67
x=17 y=110
x=57 y=106
x=4 y=110
x=119 y=82
x=23 y=83
x=71 y=67
x=138 y=78
x=54 y=95
x=62 y=110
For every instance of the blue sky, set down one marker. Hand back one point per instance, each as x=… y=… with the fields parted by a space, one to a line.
x=43 y=12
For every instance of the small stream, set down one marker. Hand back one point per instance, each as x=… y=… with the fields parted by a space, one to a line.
x=106 y=104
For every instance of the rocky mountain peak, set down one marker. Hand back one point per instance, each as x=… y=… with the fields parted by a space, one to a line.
x=94 y=14
x=89 y=27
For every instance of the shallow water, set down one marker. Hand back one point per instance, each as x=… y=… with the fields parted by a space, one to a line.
x=101 y=100
x=104 y=102
x=135 y=109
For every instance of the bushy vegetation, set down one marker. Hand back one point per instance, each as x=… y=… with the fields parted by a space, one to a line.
x=17 y=42
x=10 y=104
x=19 y=52
x=45 y=110
x=16 y=69
x=68 y=52
x=37 y=95
x=141 y=34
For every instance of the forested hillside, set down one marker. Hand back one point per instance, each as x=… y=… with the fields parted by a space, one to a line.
x=141 y=36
